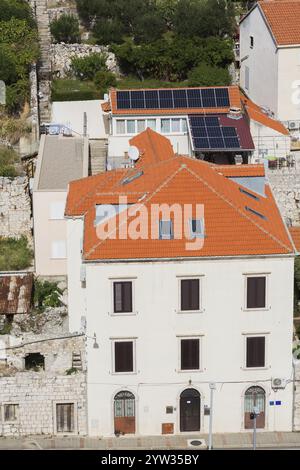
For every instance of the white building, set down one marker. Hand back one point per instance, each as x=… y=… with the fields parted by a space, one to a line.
x=165 y=321
x=270 y=57
x=60 y=160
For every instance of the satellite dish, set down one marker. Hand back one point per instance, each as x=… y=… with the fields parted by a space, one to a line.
x=133 y=153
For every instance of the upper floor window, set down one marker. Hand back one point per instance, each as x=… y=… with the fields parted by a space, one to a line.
x=165 y=229
x=122 y=291
x=255 y=351
x=121 y=126
x=173 y=125
x=255 y=292
x=190 y=354
x=251 y=42
x=130 y=126
x=189 y=295
x=124 y=356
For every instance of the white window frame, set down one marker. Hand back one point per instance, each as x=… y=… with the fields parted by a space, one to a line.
x=55 y=210
x=186 y=278
x=171 y=132
x=125 y=126
x=189 y=371
x=122 y=279
x=255 y=335
x=15 y=421
x=256 y=274
x=123 y=340
x=65 y=402
x=52 y=247
x=134 y=125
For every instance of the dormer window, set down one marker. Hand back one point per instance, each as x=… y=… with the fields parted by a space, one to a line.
x=165 y=230
x=197 y=228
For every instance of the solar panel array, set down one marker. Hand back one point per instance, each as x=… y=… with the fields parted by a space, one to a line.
x=174 y=99
x=207 y=133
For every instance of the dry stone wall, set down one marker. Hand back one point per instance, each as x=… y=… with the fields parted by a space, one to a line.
x=285 y=184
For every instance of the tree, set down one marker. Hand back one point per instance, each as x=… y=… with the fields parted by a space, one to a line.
x=105 y=80
x=85 y=68
x=8 y=72
x=148 y=28
x=208 y=75
x=108 y=31
x=65 y=29
x=19 y=9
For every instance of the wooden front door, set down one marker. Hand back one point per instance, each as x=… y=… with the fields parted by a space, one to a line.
x=255 y=397
x=124 y=413
x=190 y=410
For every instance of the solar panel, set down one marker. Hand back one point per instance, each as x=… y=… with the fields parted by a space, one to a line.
x=214 y=132
x=197 y=121
x=194 y=98
x=232 y=143
x=222 y=97
x=229 y=132
x=199 y=132
x=216 y=143
x=166 y=99
x=201 y=143
x=123 y=100
x=180 y=99
x=208 y=98
x=137 y=100
x=151 y=99
x=212 y=121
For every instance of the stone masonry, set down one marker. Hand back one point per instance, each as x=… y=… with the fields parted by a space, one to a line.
x=15 y=207
x=285 y=184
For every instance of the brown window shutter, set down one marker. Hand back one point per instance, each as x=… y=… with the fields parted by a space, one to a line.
x=256 y=292
x=255 y=351
x=122 y=297
x=190 y=354
x=124 y=356
x=190 y=294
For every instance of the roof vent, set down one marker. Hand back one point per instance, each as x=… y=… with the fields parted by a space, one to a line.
x=235 y=113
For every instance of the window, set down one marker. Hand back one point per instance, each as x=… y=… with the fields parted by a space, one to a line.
x=197 y=228
x=34 y=361
x=184 y=125
x=130 y=126
x=251 y=42
x=122 y=297
x=65 y=417
x=58 y=249
x=255 y=351
x=175 y=125
x=121 y=126
x=123 y=356
x=256 y=292
x=165 y=229
x=141 y=125
x=57 y=210
x=190 y=294
x=247 y=78
x=11 y=412
x=152 y=124
x=165 y=126
x=190 y=354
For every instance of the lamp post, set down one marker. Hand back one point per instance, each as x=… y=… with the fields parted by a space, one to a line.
x=212 y=387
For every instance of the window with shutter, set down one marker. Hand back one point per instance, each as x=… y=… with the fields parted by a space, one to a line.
x=255 y=351
x=190 y=295
x=256 y=292
x=65 y=417
x=190 y=354
x=123 y=297
x=123 y=356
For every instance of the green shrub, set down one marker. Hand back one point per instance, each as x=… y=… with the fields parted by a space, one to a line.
x=105 y=80
x=85 y=68
x=15 y=254
x=16 y=9
x=208 y=75
x=7 y=160
x=8 y=71
x=74 y=90
x=47 y=294
x=65 y=29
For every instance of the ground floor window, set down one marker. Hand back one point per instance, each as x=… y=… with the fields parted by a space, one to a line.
x=124 y=413
x=65 y=417
x=11 y=412
x=255 y=398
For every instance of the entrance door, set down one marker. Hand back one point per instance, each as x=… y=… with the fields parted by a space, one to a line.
x=255 y=397
x=190 y=410
x=124 y=413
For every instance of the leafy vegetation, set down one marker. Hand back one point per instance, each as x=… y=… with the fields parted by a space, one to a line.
x=6 y=327
x=46 y=294
x=103 y=80
x=15 y=254
x=85 y=68
x=208 y=75
x=12 y=129
x=75 y=90
x=65 y=29
x=72 y=371
x=8 y=158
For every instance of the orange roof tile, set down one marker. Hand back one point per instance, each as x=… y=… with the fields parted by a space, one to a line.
x=295 y=234
x=230 y=228
x=257 y=114
x=105 y=107
x=283 y=18
x=231 y=171
x=234 y=97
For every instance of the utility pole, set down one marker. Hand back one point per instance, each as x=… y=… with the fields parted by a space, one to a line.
x=254 y=416
x=212 y=387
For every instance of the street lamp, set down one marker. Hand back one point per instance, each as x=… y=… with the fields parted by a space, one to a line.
x=212 y=387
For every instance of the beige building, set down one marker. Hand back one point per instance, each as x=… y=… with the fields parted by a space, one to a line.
x=60 y=160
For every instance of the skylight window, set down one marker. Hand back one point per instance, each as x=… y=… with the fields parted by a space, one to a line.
x=165 y=230
x=258 y=214
x=197 y=228
x=253 y=196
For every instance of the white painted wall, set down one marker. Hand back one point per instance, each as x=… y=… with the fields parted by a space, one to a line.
x=156 y=326
x=288 y=83
x=267 y=139
x=262 y=61
x=47 y=230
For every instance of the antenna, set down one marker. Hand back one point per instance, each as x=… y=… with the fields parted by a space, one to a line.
x=133 y=153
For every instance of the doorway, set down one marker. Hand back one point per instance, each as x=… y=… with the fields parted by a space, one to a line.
x=124 y=413
x=255 y=397
x=190 y=408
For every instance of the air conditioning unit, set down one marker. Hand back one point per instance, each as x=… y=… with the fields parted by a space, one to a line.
x=293 y=125
x=278 y=383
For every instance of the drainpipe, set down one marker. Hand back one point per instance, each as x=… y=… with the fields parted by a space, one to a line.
x=294 y=395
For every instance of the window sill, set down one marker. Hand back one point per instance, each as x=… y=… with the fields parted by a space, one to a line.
x=189 y=371
x=193 y=312
x=124 y=373
x=265 y=309
x=123 y=314
x=255 y=368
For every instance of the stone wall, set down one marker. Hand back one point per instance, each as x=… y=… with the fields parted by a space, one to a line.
x=15 y=207
x=285 y=184
x=62 y=54
x=37 y=392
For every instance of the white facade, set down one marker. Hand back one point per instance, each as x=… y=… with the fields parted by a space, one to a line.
x=269 y=73
x=156 y=326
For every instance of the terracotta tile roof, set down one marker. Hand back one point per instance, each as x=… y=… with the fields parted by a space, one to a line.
x=256 y=113
x=234 y=97
x=231 y=171
x=15 y=293
x=295 y=234
x=106 y=107
x=283 y=17
x=231 y=229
